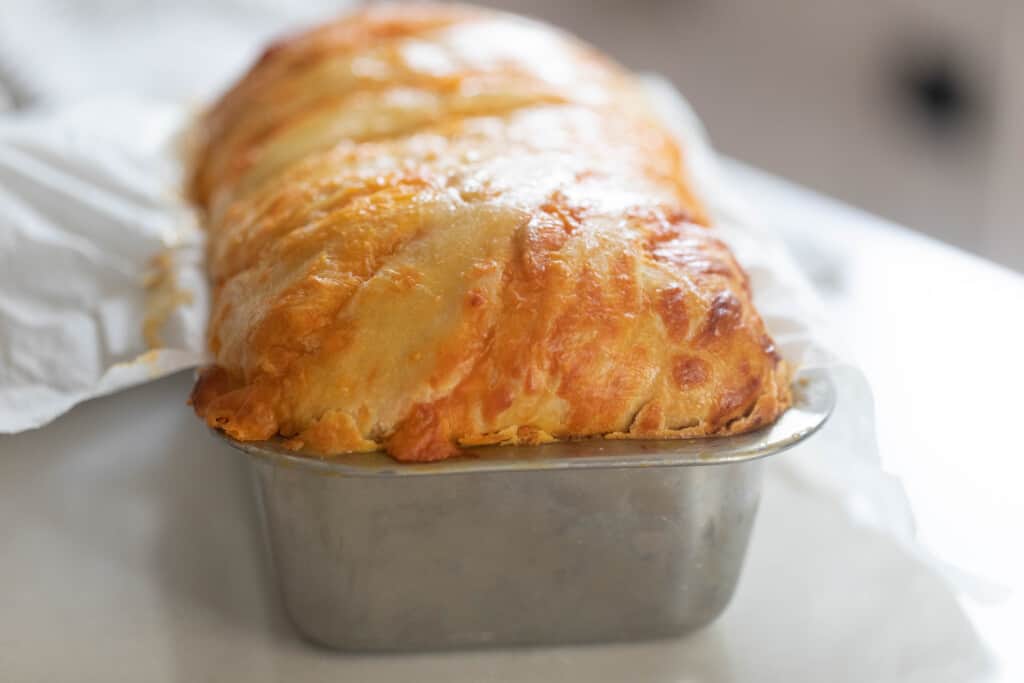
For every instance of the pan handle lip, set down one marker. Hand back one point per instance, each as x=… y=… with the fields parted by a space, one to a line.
x=814 y=399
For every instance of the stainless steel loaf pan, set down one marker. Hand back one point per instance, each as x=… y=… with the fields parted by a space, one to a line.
x=592 y=540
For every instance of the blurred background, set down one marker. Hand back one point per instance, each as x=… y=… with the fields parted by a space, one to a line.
x=910 y=109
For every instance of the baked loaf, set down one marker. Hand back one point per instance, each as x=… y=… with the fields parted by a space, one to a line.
x=437 y=226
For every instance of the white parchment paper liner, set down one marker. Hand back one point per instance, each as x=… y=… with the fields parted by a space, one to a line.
x=88 y=198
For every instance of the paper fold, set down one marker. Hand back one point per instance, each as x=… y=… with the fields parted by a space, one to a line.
x=88 y=200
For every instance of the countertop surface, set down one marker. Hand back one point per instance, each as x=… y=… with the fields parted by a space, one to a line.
x=129 y=548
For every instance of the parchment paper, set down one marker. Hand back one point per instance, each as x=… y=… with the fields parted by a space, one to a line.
x=88 y=200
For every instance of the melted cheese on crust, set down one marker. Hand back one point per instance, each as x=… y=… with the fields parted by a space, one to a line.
x=434 y=227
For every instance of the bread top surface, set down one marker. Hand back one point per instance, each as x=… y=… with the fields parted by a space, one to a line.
x=437 y=226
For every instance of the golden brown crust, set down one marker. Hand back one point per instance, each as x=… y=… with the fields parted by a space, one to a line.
x=455 y=227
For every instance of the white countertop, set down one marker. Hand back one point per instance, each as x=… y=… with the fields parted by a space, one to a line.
x=129 y=548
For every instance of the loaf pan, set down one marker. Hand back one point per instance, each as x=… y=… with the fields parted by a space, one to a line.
x=583 y=541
